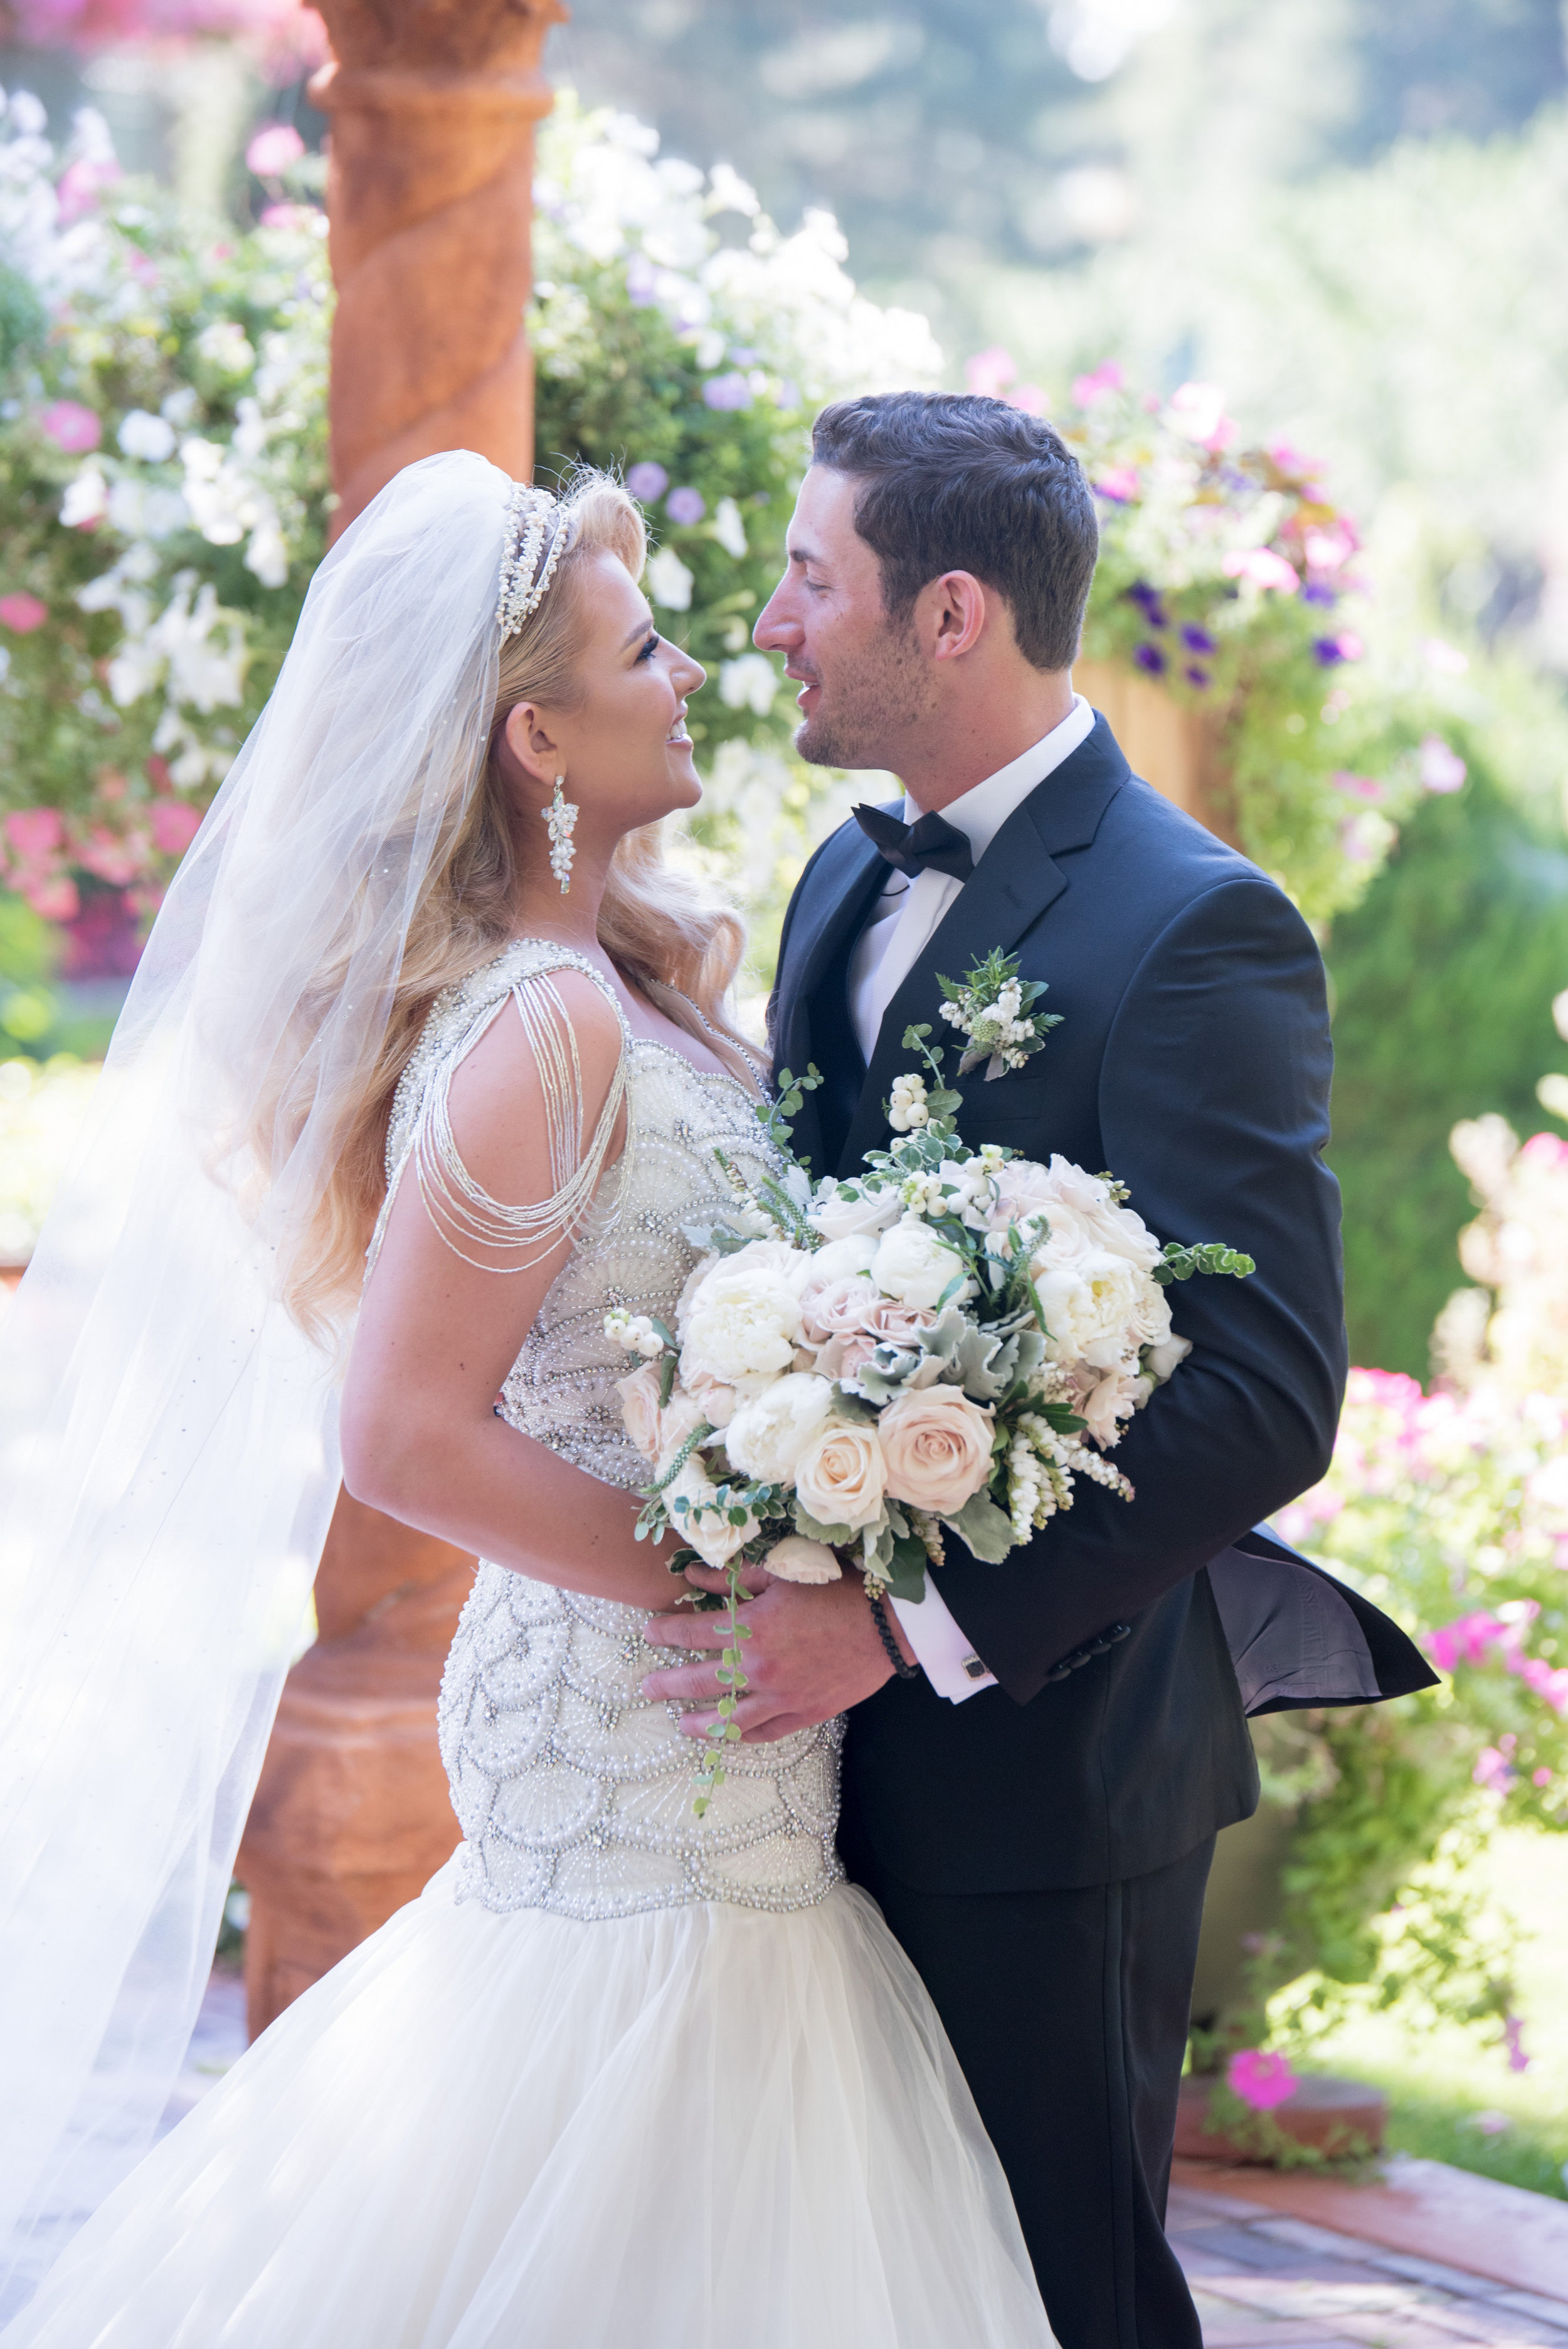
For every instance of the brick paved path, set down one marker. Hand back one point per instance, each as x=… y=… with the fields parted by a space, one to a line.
x=1266 y=2282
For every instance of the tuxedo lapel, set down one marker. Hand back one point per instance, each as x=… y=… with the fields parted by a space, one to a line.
x=1015 y=883
x=812 y=1022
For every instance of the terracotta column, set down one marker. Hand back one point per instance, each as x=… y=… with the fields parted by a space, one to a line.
x=433 y=104
x=1178 y=750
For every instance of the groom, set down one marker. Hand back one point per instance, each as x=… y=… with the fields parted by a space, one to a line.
x=1039 y=1755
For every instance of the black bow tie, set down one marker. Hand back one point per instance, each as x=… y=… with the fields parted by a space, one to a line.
x=931 y=842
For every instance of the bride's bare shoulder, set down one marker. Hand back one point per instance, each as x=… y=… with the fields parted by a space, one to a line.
x=555 y=1031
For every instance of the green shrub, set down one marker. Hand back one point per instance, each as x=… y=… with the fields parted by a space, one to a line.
x=1443 y=977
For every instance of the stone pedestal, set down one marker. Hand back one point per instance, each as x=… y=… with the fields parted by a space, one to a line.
x=1177 y=750
x=351 y=1815
x=433 y=104
x=1337 y=2118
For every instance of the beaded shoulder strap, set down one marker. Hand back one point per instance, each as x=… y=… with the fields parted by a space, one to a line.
x=462 y=1212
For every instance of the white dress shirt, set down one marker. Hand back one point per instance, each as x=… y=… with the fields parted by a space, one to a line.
x=902 y=921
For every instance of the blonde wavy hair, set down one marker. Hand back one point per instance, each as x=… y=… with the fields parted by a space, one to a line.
x=669 y=936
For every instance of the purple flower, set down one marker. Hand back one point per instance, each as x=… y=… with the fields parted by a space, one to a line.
x=1198 y=640
x=1328 y=651
x=1150 y=657
x=1140 y=592
x=1197 y=676
x=1518 y=2061
x=725 y=391
x=648 y=480
x=641 y=280
x=1318 y=590
x=686 y=506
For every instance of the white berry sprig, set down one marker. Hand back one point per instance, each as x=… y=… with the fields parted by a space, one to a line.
x=992 y=1010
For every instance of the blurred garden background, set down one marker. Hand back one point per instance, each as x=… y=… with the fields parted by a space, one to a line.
x=1289 y=274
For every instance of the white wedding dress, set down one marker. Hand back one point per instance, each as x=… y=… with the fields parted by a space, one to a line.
x=619 y=2076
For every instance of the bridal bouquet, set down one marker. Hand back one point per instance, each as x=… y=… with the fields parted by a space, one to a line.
x=944 y=1343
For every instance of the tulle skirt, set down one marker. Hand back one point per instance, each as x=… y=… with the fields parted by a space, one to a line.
x=706 y=2126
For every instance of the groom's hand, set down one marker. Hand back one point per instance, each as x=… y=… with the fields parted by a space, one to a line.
x=813 y=1651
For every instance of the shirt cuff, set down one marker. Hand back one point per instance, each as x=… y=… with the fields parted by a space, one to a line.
x=941 y=1649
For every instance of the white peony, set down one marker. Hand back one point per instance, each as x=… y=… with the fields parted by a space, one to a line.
x=1088 y=1306
x=865 y=1212
x=770 y=1431
x=1151 y=1315
x=913 y=1265
x=839 y=1257
x=1028 y=1186
x=740 y=1325
x=796 y=1559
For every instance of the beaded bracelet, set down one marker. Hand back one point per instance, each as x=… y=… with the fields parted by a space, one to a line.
x=885 y=1633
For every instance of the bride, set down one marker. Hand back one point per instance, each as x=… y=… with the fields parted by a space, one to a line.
x=425 y=993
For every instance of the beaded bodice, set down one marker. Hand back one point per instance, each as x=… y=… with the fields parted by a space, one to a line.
x=573 y=1792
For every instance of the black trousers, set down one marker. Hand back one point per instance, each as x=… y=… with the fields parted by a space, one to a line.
x=1069 y=2012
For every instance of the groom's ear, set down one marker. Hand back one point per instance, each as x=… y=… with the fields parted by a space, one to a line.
x=951 y=613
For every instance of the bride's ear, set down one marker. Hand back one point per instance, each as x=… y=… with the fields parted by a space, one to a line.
x=531 y=743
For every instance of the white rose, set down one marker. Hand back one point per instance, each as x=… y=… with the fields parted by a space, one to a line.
x=640 y=1408
x=768 y=1432
x=1088 y=1307
x=742 y=1324
x=913 y=1265
x=865 y=1211
x=1152 y=1314
x=681 y=1417
x=1163 y=1360
x=937 y=1446
x=1114 y=1396
x=841 y=1476
x=706 y=1528
x=796 y=1559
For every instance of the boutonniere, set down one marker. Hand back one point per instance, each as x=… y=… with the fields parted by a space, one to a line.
x=993 y=1011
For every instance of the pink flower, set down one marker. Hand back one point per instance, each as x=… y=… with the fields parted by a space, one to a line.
x=1512 y=2029
x=175 y=826
x=1326 y=550
x=1541 y=1777
x=1441 y=769
x=57 y=899
x=1349 y=646
x=1260 y=2079
x=272 y=149
x=1547 y=1151
x=1029 y=398
x=71 y=427
x=78 y=189
x=1120 y=483
x=1264 y=567
x=1361 y=787
x=35 y=832
x=23 y=613
x=1098 y=384
x=1550 y=1686
x=1198 y=412
x=989 y=372
x=115 y=857
x=288 y=215
x=1493 y=1767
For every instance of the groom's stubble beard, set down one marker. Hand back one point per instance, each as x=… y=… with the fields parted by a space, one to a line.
x=869 y=714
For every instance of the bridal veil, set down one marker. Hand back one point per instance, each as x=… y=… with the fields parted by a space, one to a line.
x=168 y=1436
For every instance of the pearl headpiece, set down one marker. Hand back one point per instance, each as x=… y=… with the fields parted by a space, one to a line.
x=535 y=535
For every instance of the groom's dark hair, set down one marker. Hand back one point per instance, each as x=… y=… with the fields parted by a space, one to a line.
x=952 y=481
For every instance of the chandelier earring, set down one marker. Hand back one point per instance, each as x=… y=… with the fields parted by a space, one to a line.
x=559 y=817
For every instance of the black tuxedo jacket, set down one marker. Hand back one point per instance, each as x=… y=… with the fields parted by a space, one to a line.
x=1193 y=1060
